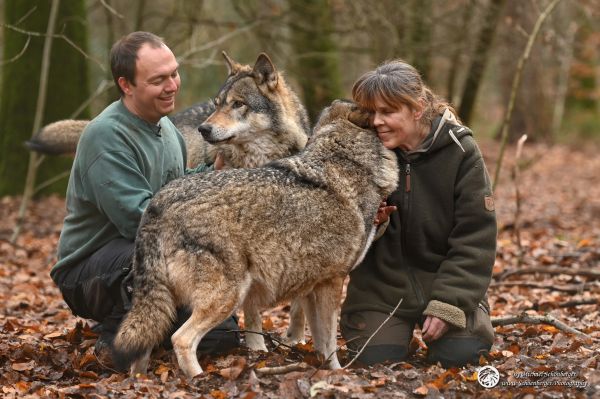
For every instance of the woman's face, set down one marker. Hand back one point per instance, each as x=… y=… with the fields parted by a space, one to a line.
x=398 y=127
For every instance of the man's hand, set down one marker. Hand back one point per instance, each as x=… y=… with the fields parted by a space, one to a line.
x=434 y=328
x=219 y=162
x=383 y=213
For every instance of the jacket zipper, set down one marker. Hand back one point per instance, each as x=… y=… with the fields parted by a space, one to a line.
x=405 y=213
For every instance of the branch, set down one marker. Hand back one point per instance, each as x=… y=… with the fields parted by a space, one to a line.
x=595 y=274
x=219 y=41
x=269 y=336
x=372 y=335
x=56 y=36
x=546 y=319
x=515 y=86
x=573 y=289
x=111 y=10
x=16 y=57
x=281 y=369
x=568 y=304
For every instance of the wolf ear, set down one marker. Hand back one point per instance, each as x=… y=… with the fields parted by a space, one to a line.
x=360 y=117
x=232 y=66
x=264 y=72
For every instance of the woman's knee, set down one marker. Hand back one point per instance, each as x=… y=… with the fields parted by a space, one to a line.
x=389 y=344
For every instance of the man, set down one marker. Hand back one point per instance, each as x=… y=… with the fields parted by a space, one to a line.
x=125 y=155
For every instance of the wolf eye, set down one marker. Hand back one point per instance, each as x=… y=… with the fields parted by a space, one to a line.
x=237 y=104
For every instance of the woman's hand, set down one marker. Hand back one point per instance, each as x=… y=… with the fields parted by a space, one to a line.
x=383 y=213
x=434 y=328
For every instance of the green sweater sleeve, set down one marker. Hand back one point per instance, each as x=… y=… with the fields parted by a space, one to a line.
x=116 y=184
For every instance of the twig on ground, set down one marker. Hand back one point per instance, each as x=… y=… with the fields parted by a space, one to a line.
x=372 y=335
x=567 y=304
x=573 y=288
x=281 y=369
x=550 y=270
x=546 y=319
x=267 y=335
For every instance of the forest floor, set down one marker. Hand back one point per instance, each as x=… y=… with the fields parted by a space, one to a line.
x=547 y=266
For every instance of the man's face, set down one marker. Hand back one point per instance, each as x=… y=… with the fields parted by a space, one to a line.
x=156 y=83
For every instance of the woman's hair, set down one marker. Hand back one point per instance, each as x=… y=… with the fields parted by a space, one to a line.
x=398 y=83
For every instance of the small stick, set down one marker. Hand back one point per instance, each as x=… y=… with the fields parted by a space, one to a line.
x=551 y=270
x=527 y=319
x=281 y=369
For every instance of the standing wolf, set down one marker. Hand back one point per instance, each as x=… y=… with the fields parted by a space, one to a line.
x=322 y=202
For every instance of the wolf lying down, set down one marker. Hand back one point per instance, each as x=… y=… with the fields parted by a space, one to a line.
x=254 y=237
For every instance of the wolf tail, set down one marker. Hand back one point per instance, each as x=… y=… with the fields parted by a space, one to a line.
x=58 y=138
x=153 y=310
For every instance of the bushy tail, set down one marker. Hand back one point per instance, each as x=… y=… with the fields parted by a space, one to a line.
x=58 y=138
x=153 y=309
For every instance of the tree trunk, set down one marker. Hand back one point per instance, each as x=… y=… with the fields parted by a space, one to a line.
x=480 y=59
x=316 y=65
x=67 y=87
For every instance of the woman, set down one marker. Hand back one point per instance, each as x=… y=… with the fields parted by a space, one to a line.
x=437 y=240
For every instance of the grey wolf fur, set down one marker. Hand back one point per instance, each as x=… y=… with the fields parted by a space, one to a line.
x=254 y=237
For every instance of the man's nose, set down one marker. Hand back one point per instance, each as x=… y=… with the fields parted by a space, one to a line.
x=171 y=85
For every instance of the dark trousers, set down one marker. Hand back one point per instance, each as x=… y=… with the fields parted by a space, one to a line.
x=100 y=289
x=456 y=348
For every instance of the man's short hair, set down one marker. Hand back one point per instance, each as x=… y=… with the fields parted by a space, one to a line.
x=123 y=55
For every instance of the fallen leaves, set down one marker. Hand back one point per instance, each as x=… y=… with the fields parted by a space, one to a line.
x=46 y=352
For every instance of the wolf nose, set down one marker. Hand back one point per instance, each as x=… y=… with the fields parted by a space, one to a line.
x=205 y=130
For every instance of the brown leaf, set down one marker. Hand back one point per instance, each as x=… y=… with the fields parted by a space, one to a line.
x=234 y=371
x=23 y=366
x=421 y=391
x=217 y=394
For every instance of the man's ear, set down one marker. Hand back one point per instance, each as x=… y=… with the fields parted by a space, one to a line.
x=125 y=85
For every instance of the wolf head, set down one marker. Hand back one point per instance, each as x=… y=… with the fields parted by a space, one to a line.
x=344 y=132
x=257 y=118
x=344 y=110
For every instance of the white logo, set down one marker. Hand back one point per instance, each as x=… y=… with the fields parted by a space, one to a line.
x=488 y=376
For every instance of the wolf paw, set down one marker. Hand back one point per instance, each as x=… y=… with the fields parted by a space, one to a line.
x=256 y=342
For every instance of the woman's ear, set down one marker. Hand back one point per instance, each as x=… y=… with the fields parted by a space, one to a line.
x=418 y=112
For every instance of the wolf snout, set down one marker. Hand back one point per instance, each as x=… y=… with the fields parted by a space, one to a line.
x=206 y=131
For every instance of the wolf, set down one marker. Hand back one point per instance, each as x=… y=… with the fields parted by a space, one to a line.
x=293 y=228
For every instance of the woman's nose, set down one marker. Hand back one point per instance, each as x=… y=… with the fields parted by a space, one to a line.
x=377 y=119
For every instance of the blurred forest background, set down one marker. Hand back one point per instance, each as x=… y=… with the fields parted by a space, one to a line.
x=467 y=51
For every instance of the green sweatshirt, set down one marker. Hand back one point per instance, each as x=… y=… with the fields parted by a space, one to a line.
x=121 y=162
x=439 y=247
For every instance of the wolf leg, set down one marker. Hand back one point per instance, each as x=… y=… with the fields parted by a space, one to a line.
x=295 y=332
x=209 y=308
x=253 y=322
x=140 y=366
x=321 y=307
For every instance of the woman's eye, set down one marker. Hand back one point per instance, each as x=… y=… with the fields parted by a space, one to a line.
x=237 y=104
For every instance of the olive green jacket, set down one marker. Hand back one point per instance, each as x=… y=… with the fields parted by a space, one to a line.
x=438 y=249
